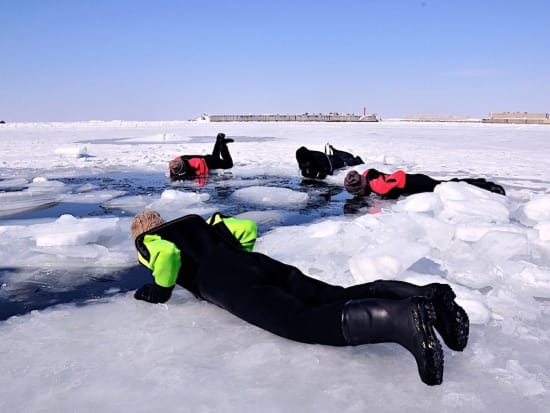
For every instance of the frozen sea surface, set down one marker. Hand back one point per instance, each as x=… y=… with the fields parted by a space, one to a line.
x=74 y=339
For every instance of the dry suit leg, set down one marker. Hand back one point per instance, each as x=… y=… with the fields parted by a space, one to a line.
x=220 y=158
x=417 y=183
x=316 y=292
x=279 y=312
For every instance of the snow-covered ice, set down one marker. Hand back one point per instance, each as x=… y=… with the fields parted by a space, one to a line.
x=68 y=192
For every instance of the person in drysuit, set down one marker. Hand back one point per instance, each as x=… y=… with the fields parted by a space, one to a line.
x=214 y=266
x=401 y=183
x=197 y=166
x=316 y=164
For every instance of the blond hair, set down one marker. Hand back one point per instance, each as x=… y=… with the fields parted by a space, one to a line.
x=144 y=222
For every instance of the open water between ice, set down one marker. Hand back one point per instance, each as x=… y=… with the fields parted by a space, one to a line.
x=42 y=291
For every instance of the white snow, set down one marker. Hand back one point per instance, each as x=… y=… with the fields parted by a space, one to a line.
x=116 y=354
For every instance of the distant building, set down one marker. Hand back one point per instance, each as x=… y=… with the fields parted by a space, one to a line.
x=517 y=117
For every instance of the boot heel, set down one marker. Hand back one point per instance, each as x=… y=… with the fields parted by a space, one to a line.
x=453 y=322
x=430 y=365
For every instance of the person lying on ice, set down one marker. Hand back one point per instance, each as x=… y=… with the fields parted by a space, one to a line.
x=197 y=166
x=281 y=299
x=400 y=183
x=316 y=164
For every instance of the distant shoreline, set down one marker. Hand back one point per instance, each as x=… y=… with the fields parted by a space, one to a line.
x=306 y=117
x=495 y=117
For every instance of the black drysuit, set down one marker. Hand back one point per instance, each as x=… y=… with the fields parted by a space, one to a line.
x=258 y=289
x=316 y=164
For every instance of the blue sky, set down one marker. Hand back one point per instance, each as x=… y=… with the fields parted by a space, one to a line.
x=63 y=60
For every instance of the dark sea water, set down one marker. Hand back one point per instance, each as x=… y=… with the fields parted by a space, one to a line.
x=324 y=200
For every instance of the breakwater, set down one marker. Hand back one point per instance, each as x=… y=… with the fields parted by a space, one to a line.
x=292 y=118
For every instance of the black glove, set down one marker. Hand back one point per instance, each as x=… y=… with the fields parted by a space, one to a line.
x=153 y=293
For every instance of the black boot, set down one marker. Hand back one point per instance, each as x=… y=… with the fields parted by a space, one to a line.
x=483 y=184
x=496 y=188
x=451 y=321
x=221 y=137
x=407 y=322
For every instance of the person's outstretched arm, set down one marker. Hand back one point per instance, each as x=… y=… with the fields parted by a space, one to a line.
x=164 y=262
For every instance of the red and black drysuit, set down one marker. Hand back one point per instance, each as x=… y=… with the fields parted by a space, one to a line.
x=400 y=183
x=197 y=166
x=281 y=299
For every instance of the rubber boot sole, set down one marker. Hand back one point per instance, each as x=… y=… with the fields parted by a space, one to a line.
x=429 y=357
x=452 y=321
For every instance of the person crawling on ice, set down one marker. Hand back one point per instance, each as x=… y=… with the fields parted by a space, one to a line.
x=399 y=183
x=281 y=299
x=197 y=166
x=316 y=164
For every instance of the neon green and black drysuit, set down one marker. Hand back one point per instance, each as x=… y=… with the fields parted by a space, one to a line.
x=163 y=257
x=281 y=299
